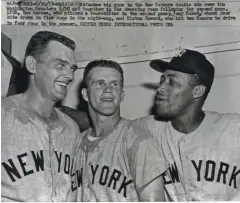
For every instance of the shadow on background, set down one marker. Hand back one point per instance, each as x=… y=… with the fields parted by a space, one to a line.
x=82 y=104
x=19 y=78
x=151 y=86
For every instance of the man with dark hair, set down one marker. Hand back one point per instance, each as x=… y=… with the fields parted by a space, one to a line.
x=38 y=140
x=40 y=41
x=115 y=162
x=202 y=148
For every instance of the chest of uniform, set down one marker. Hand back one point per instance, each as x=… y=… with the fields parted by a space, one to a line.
x=105 y=168
x=206 y=164
x=36 y=151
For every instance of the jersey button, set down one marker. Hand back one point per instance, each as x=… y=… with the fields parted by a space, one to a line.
x=190 y=181
x=182 y=140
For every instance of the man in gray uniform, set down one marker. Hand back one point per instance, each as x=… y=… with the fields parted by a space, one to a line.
x=201 y=147
x=38 y=140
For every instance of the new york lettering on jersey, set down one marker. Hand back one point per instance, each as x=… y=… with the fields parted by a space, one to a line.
x=18 y=167
x=40 y=165
x=209 y=165
x=203 y=165
x=112 y=168
x=103 y=176
x=209 y=171
x=106 y=174
x=219 y=172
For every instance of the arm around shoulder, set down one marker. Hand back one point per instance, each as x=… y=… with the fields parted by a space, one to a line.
x=154 y=191
x=148 y=165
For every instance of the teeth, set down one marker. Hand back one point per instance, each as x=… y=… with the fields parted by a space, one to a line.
x=106 y=99
x=62 y=84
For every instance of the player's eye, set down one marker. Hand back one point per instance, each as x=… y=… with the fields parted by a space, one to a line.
x=115 y=84
x=99 y=84
x=59 y=66
x=161 y=80
x=73 y=68
x=172 y=82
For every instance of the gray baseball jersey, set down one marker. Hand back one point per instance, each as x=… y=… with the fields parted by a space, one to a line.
x=118 y=166
x=203 y=165
x=37 y=159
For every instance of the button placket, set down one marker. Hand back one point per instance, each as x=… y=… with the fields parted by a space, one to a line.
x=51 y=162
x=183 y=149
x=182 y=140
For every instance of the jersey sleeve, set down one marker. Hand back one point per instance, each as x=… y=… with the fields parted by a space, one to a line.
x=145 y=159
x=154 y=127
x=7 y=115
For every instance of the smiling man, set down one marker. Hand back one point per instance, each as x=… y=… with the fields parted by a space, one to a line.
x=115 y=162
x=202 y=148
x=38 y=140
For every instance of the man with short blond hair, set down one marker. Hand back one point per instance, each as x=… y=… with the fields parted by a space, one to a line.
x=115 y=161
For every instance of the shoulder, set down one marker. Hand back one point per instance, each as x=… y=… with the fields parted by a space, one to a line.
x=223 y=119
x=78 y=116
x=144 y=155
x=9 y=105
x=86 y=133
x=145 y=120
x=9 y=102
x=151 y=124
x=137 y=134
x=140 y=139
x=82 y=139
x=12 y=114
x=68 y=121
x=228 y=124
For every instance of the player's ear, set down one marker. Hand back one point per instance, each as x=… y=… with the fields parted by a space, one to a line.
x=84 y=94
x=198 y=91
x=30 y=63
x=122 y=95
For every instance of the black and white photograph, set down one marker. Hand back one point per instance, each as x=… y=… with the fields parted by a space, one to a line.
x=120 y=101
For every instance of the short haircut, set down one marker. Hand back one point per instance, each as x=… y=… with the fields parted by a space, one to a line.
x=39 y=41
x=101 y=63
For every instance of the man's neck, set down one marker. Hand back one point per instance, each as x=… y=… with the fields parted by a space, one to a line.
x=104 y=125
x=188 y=122
x=44 y=108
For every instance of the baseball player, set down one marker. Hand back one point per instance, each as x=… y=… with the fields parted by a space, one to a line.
x=202 y=148
x=38 y=140
x=115 y=162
